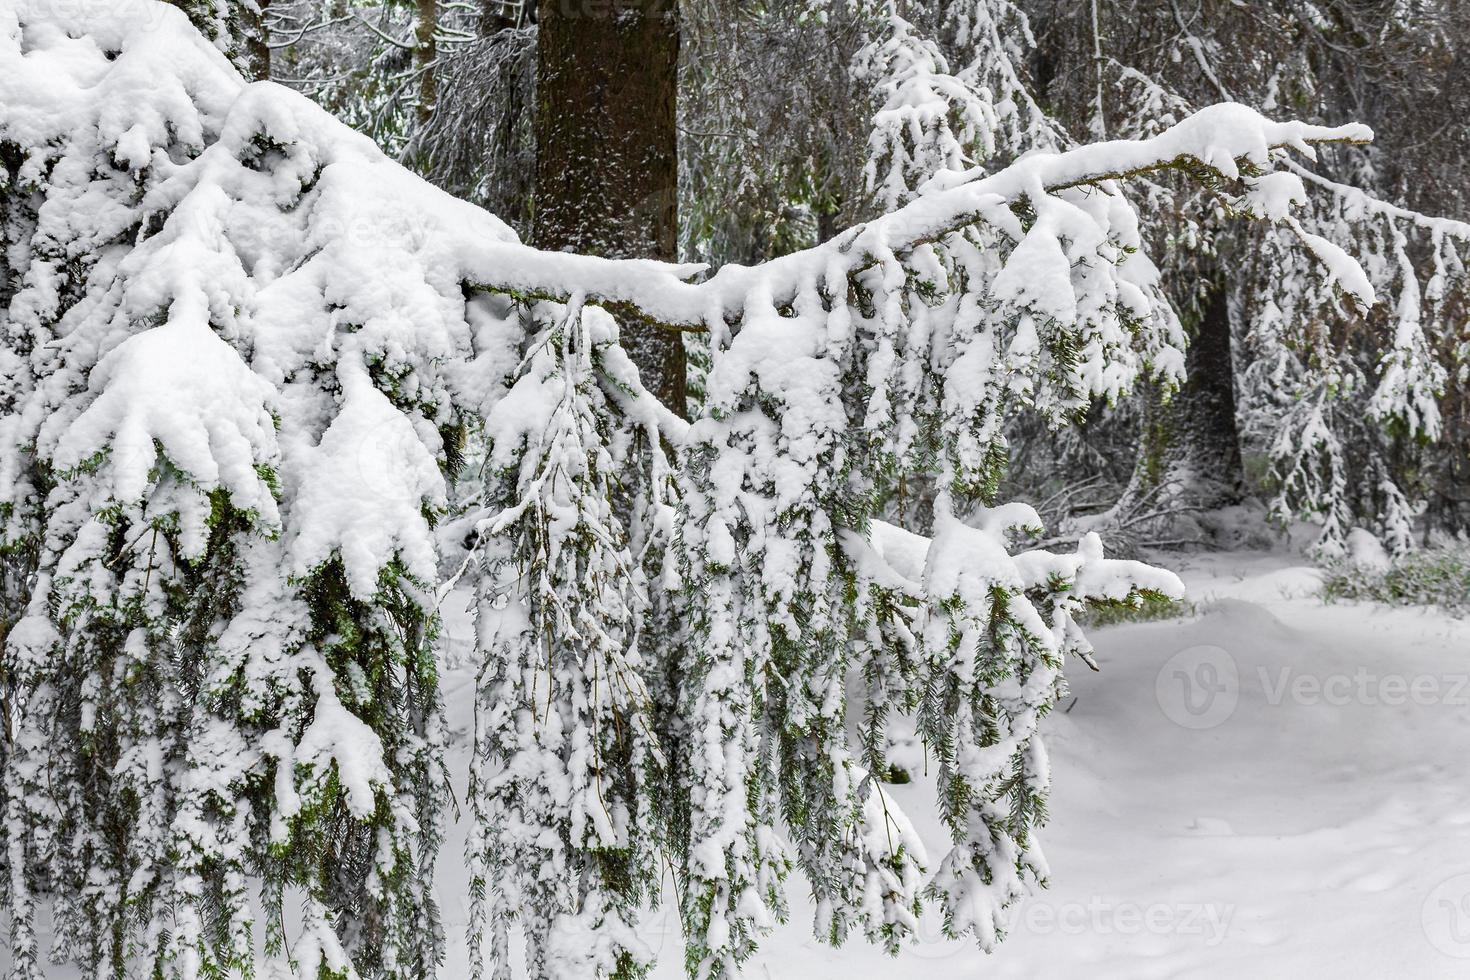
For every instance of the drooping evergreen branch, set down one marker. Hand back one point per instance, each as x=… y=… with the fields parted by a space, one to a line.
x=1221 y=142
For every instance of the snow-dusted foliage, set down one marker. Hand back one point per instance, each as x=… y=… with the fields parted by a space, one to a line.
x=222 y=429
x=566 y=759
x=1345 y=399
x=1348 y=400
x=244 y=353
x=947 y=112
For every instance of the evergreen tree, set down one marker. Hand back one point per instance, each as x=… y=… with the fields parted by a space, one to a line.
x=1323 y=388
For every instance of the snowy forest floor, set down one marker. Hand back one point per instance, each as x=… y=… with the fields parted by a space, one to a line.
x=1274 y=787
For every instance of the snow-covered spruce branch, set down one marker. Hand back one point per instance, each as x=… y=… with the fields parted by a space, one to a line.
x=1354 y=197
x=1222 y=142
x=565 y=747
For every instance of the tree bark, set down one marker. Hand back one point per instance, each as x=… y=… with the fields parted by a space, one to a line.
x=607 y=151
x=425 y=53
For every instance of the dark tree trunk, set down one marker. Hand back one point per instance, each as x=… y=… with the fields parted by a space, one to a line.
x=1207 y=405
x=607 y=150
x=1189 y=450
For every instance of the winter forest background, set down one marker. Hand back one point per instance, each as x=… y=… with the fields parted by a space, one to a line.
x=832 y=488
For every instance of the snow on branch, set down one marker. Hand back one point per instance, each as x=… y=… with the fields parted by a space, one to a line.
x=1224 y=141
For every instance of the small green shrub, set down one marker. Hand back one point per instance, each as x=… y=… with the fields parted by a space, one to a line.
x=1436 y=576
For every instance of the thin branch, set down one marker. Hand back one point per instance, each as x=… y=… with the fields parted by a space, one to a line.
x=413 y=46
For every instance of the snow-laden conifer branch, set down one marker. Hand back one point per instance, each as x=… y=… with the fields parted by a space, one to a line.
x=1326 y=387
x=1358 y=198
x=1222 y=142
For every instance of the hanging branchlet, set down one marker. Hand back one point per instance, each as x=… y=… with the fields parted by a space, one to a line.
x=566 y=764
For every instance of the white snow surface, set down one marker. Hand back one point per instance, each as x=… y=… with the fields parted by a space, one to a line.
x=1313 y=822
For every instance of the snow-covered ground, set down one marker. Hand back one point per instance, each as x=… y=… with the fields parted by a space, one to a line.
x=1276 y=788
